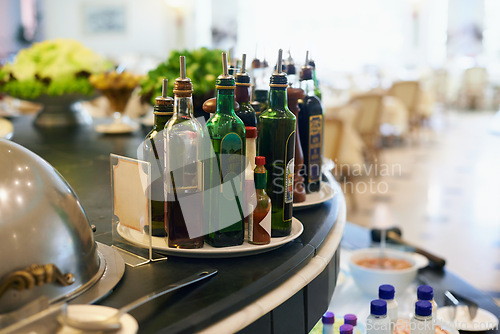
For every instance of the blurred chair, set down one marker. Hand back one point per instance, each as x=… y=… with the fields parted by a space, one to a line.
x=367 y=123
x=333 y=134
x=474 y=83
x=408 y=93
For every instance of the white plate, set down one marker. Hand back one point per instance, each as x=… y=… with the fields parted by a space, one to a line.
x=117 y=128
x=160 y=244
x=6 y=128
x=324 y=194
x=483 y=321
x=95 y=313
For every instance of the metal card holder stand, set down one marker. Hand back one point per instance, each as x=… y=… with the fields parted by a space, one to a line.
x=131 y=210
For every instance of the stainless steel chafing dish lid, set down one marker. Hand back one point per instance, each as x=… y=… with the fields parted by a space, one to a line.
x=46 y=244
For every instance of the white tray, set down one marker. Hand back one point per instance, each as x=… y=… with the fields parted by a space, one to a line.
x=325 y=193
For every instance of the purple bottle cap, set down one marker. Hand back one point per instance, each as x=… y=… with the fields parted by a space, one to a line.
x=346 y=329
x=386 y=291
x=328 y=318
x=378 y=307
x=425 y=292
x=423 y=308
x=350 y=319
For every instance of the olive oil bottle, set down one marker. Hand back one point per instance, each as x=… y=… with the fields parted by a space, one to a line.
x=311 y=130
x=154 y=152
x=276 y=142
x=242 y=94
x=225 y=173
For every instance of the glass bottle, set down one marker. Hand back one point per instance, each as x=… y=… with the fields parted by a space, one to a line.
x=251 y=152
x=425 y=292
x=242 y=95
x=386 y=292
x=378 y=322
x=291 y=71
x=276 y=142
x=261 y=97
x=351 y=319
x=346 y=329
x=259 y=229
x=154 y=152
x=422 y=323
x=317 y=90
x=311 y=130
x=184 y=169
x=328 y=320
x=225 y=173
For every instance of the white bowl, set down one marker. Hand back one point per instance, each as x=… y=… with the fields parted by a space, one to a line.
x=369 y=279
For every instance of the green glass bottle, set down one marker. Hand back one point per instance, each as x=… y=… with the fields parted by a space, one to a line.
x=242 y=96
x=153 y=150
x=276 y=142
x=224 y=175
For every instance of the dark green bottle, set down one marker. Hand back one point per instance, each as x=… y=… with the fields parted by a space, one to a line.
x=242 y=95
x=224 y=176
x=310 y=130
x=276 y=142
x=154 y=152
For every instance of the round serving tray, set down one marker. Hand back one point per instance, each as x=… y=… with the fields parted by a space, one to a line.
x=207 y=251
x=325 y=193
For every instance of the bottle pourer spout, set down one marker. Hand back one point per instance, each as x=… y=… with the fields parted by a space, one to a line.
x=280 y=61
x=307 y=58
x=225 y=72
x=164 y=88
x=243 y=63
x=183 y=67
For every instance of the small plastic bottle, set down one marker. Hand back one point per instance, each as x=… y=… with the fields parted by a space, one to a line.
x=425 y=292
x=422 y=323
x=346 y=329
x=351 y=319
x=386 y=292
x=328 y=320
x=378 y=322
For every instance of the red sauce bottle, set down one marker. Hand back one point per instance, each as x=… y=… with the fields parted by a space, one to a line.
x=259 y=230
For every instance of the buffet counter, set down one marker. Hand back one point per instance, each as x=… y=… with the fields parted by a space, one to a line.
x=282 y=291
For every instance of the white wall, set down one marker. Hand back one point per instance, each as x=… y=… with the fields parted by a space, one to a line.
x=10 y=20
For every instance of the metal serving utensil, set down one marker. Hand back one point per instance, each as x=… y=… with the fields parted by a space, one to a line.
x=453 y=299
x=113 y=323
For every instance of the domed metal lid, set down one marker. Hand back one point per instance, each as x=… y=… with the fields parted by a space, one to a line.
x=47 y=247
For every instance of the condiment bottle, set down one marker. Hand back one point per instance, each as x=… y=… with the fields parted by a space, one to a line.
x=311 y=130
x=386 y=292
x=328 y=320
x=351 y=319
x=154 y=152
x=184 y=168
x=225 y=173
x=259 y=229
x=251 y=152
x=242 y=95
x=425 y=292
x=378 y=322
x=299 y=191
x=422 y=323
x=346 y=329
x=276 y=142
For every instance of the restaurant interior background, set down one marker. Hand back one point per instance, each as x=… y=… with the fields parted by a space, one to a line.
x=436 y=168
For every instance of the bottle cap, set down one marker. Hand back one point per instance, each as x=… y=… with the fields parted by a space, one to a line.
x=224 y=81
x=183 y=86
x=425 y=292
x=306 y=72
x=260 y=160
x=165 y=101
x=378 y=307
x=423 y=308
x=386 y=291
x=350 y=319
x=346 y=329
x=328 y=318
x=290 y=65
x=242 y=78
x=251 y=131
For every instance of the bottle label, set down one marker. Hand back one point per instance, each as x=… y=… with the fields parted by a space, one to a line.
x=266 y=223
x=289 y=181
x=315 y=134
x=289 y=168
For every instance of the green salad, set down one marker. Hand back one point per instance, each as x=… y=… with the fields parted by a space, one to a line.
x=202 y=67
x=53 y=67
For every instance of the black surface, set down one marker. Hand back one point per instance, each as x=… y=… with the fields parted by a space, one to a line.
x=82 y=157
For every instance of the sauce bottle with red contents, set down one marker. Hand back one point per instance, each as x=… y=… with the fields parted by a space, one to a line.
x=259 y=230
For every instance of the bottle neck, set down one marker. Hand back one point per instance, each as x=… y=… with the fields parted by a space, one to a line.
x=277 y=98
x=183 y=106
x=307 y=86
x=160 y=121
x=242 y=94
x=225 y=101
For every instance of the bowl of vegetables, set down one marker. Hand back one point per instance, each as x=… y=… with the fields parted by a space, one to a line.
x=54 y=73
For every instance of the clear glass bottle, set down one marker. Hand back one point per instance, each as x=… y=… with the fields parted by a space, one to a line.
x=351 y=319
x=276 y=142
x=154 y=152
x=386 y=292
x=425 y=292
x=184 y=169
x=378 y=322
x=422 y=323
x=226 y=173
x=242 y=95
x=259 y=228
x=328 y=320
x=346 y=329
x=311 y=130
x=251 y=153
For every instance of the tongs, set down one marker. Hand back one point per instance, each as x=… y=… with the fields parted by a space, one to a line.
x=453 y=299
